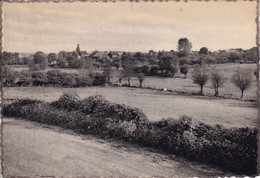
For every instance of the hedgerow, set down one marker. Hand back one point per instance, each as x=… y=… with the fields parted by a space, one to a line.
x=232 y=149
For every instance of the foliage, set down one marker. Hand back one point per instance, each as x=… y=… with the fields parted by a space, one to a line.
x=242 y=79
x=217 y=80
x=184 y=69
x=204 y=50
x=200 y=76
x=39 y=78
x=141 y=78
x=183 y=60
x=232 y=149
x=184 y=47
x=39 y=61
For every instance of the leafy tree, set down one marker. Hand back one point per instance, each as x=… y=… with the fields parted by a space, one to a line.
x=242 y=79
x=183 y=60
x=107 y=72
x=167 y=66
x=141 y=78
x=52 y=57
x=129 y=72
x=184 y=69
x=233 y=57
x=204 y=50
x=145 y=69
x=217 y=80
x=154 y=70
x=200 y=76
x=172 y=70
x=184 y=47
x=39 y=61
x=117 y=65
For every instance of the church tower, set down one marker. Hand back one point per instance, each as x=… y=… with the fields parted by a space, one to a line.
x=78 y=49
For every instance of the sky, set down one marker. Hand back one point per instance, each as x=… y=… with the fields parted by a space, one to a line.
x=122 y=26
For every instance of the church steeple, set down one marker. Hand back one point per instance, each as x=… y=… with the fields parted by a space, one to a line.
x=78 y=49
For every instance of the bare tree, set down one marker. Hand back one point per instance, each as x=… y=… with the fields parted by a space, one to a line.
x=200 y=76
x=141 y=78
x=217 y=80
x=242 y=79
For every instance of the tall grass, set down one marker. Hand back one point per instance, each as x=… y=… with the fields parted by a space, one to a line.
x=230 y=149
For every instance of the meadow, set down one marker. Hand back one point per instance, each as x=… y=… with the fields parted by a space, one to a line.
x=181 y=84
x=155 y=104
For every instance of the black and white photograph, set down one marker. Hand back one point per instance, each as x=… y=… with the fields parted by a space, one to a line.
x=129 y=89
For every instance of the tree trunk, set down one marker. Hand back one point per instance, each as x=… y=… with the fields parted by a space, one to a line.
x=216 y=91
x=141 y=82
x=128 y=82
x=201 y=89
x=242 y=94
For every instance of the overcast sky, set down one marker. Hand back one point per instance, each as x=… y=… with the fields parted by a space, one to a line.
x=52 y=27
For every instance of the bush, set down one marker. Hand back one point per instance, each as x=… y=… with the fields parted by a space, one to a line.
x=184 y=69
x=231 y=149
x=67 y=101
x=39 y=79
x=53 y=77
x=98 y=79
x=154 y=70
x=25 y=78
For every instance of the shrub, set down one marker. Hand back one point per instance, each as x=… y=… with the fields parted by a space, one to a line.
x=67 y=80
x=154 y=70
x=39 y=79
x=67 y=101
x=98 y=79
x=53 y=77
x=25 y=78
x=184 y=69
x=232 y=149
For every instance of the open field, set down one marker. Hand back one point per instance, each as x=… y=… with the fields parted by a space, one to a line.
x=178 y=83
x=156 y=105
x=61 y=152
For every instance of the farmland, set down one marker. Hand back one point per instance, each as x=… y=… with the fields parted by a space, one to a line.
x=178 y=83
x=155 y=104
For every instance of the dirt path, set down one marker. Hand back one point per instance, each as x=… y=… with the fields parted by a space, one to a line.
x=31 y=149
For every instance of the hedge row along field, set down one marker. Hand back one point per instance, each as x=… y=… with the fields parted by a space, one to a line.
x=53 y=78
x=230 y=149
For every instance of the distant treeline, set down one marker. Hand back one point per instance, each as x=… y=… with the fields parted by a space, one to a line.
x=53 y=78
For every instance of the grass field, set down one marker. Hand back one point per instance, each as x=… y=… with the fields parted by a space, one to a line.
x=156 y=105
x=178 y=83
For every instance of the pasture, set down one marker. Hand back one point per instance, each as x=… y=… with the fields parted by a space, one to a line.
x=155 y=104
x=179 y=83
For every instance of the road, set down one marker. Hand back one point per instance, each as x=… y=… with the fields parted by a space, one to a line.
x=32 y=149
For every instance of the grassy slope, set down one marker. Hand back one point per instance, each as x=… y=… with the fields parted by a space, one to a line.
x=230 y=113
